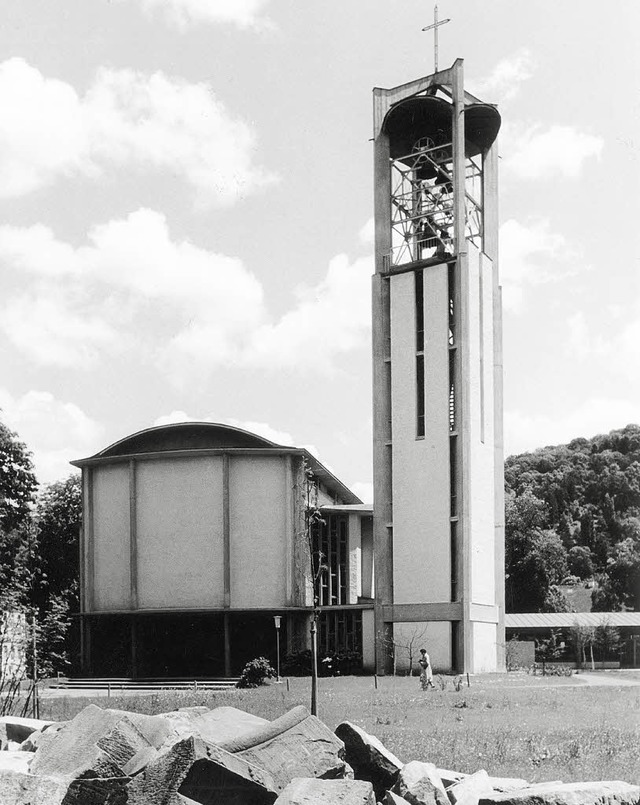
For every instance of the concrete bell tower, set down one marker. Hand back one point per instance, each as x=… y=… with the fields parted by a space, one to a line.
x=437 y=374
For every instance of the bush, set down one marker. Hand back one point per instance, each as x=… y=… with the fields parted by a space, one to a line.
x=255 y=672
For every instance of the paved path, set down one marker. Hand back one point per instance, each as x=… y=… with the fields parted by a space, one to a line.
x=596 y=679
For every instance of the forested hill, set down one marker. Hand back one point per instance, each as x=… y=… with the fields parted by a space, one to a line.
x=574 y=511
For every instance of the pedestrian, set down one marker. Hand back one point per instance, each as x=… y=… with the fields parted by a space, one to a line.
x=426 y=674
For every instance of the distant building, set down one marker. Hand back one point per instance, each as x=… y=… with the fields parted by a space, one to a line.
x=193 y=539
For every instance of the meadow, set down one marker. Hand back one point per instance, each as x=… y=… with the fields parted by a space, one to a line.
x=511 y=725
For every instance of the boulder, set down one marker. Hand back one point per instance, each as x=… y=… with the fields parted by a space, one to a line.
x=393 y=799
x=18 y=788
x=40 y=737
x=368 y=756
x=119 y=743
x=295 y=745
x=508 y=783
x=592 y=793
x=469 y=790
x=15 y=761
x=214 y=726
x=305 y=791
x=194 y=771
x=449 y=777
x=17 y=729
x=420 y=784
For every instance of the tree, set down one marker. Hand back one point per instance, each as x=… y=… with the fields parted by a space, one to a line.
x=580 y=562
x=556 y=601
x=17 y=481
x=607 y=640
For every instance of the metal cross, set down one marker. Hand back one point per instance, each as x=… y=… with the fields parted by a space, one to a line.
x=436 y=24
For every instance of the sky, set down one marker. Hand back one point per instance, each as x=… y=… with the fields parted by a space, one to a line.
x=186 y=214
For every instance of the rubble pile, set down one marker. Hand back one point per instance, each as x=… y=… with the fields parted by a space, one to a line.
x=225 y=756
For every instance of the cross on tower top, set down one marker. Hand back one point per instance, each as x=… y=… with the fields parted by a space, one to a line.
x=436 y=24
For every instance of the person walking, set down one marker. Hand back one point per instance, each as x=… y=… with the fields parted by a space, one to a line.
x=426 y=674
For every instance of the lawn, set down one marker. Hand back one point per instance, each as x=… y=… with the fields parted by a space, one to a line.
x=512 y=725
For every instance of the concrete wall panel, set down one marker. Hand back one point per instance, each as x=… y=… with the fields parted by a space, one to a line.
x=111 y=537
x=421 y=562
x=258 y=523
x=484 y=637
x=180 y=532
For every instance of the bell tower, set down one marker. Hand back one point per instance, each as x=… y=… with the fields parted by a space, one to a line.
x=437 y=374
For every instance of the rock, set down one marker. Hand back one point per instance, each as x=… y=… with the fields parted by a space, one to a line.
x=96 y=752
x=295 y=745
x=305 y=791
x=215 y=726
x=450 y=777
x=15 y=761
x=508 y=783
x=393 y=799
x=16 y=729
x=195 y=771
x=593 y=793
x=20 y=788
x=420 y=784
x=368 y=756
x=118 y=741
x=469 y=790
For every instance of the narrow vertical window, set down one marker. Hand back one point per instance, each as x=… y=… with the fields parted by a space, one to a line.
x=419 y=303
x=454 y=560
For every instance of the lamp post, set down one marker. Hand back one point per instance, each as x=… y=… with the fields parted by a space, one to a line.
x=276 y=620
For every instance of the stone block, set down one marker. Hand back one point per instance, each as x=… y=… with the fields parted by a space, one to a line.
x=368 y=756
x=110 y=741
x=17 y=729
x=306 y=791
x=40 y=737
x=215 y=726
x=15 y=761
x=449 y=777
x=20 y=788
x=295 y=745
x=420 y=784
x=589 y=793
x=393 y=799
x=193 y=770
x=508 y=783
x=469 y=790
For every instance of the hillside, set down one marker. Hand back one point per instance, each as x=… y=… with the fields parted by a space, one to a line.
x=574 y=510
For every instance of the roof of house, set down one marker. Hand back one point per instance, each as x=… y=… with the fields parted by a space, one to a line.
x=558 y=620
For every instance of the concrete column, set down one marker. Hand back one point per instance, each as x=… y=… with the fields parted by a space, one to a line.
x=354 y=546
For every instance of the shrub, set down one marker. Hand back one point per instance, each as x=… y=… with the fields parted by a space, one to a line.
x=255 y=672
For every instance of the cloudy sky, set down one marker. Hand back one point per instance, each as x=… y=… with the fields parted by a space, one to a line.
x=186 y=201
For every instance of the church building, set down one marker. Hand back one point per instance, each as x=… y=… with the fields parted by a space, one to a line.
x=195 y=538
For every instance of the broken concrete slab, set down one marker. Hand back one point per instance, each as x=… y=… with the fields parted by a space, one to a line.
x=15 y=761
x=109 y=741
x=295 y=745
x=39 y=737
x=469 y=790
x=203 y=773
x=307 y=791
x=17 y=729
x=505 y=784
x=215 y=726
x=393 y=799
x=368 y=756
x=449 y=777
x=18 y=788
x=610 y=792
x=420 y=784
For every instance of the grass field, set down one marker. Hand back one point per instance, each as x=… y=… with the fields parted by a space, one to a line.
x=511 y=725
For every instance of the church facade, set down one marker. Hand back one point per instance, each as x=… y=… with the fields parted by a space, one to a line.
x=194 y=538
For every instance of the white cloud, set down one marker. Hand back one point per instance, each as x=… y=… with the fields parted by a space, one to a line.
x=523 y=432
x=187 y=309
x=183 y=13
x=331 y=318
x=367 y=234
x=531 y=254
x=503 y=83
x=127 y=119
x=557 y=152
x=55 y=431
x=260 y=428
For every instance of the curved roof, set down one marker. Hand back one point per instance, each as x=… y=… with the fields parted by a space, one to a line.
x=192 y=436
x=185 y=436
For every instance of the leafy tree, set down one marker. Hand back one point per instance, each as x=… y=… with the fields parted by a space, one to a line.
x=607 y=640
x=556 y=601
x=580 y=562
x=17 y=481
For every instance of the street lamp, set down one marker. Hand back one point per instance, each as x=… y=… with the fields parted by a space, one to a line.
x=276 y=620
